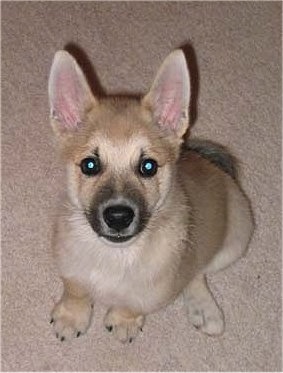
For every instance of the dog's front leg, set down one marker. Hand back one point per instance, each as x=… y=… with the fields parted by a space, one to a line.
x=124 y=323
x=71 y=316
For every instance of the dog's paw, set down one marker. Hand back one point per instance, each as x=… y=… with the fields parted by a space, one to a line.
x=203 y=310
x=206 y=316
x=124 y=325
x=71 y=318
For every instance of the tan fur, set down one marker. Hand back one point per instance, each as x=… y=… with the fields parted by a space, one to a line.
x=200 y=223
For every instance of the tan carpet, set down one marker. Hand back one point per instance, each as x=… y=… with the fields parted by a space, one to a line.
x=238 y=52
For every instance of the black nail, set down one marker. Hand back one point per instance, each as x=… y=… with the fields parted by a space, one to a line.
x=141 y=329
x=51 y=321
x=78 y=334
x=130 y=340
x=62 y=339
x=109 y=328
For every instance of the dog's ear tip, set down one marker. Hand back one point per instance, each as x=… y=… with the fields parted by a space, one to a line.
x=178 y=53
x=179 y=56
x=62 y=53
x=62 y=56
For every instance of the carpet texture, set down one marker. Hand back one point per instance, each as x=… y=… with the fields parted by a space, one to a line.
x=236 y=67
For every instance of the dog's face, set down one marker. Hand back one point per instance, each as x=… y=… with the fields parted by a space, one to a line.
x=119 y=172
x=120 y=153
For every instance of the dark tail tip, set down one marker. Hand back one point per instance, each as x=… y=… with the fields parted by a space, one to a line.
x=215 y=153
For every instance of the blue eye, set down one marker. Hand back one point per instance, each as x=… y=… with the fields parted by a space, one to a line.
x=148 y=167
x=90 y=166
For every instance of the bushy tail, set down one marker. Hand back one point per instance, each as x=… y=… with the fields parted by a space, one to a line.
x=215 y=153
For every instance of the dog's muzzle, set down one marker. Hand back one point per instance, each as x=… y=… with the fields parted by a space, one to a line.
x=117 y=220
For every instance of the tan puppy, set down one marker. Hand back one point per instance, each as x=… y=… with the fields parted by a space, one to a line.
x=144 y=219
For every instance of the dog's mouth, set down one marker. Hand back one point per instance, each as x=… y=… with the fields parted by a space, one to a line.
x=118 y=238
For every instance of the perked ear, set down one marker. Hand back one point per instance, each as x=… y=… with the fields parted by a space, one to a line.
x=69 y=93
x=169 y=95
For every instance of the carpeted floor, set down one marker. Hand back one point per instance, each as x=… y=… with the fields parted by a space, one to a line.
x=237 y=61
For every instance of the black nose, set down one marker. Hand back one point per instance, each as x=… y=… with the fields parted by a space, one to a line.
x=118 y=217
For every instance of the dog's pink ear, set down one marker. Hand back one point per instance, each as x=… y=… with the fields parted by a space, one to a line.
x=69 y=92
x=169 y=95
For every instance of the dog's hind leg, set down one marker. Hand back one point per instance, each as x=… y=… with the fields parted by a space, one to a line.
x=202 y=308
x=240 y=227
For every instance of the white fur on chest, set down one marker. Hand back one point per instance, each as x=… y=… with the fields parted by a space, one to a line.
x=112 y=274
x=121 y=275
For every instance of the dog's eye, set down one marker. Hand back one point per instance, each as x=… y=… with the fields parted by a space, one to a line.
x=90 y=166
x=148 y=167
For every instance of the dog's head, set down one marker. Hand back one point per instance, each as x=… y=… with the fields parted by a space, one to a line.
x=120 y=153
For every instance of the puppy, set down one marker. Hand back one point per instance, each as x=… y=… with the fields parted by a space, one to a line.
x=144 y=217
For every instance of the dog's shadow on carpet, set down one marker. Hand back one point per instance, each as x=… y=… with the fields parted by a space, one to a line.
x=191 y=58
x=81 y=57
